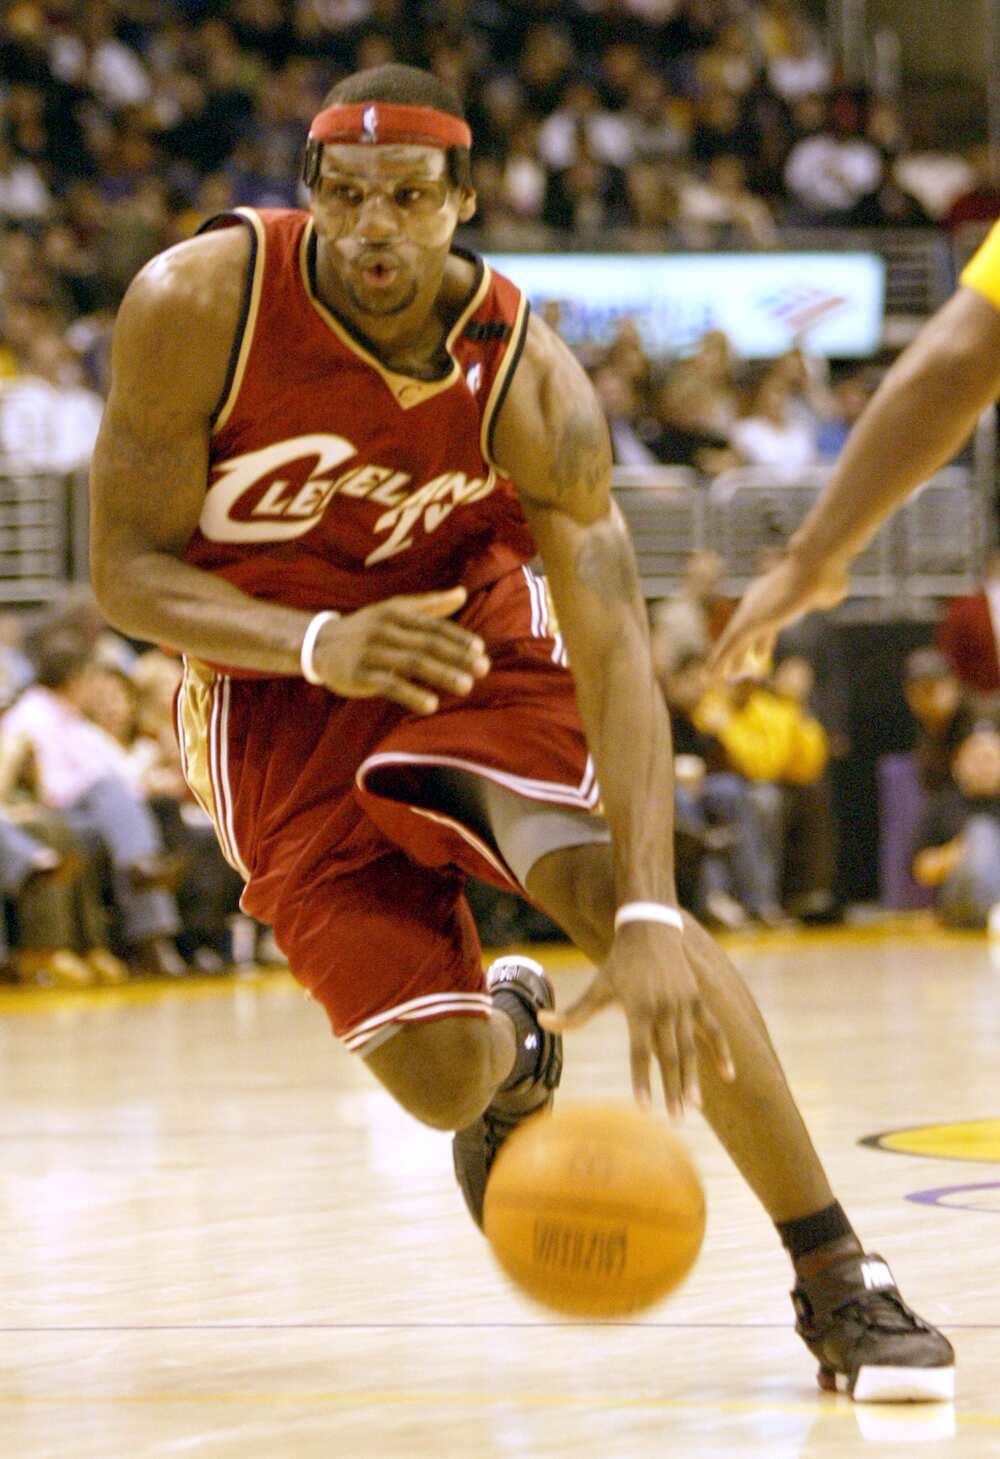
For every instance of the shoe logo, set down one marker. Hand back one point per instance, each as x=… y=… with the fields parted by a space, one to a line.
x=876 y=1275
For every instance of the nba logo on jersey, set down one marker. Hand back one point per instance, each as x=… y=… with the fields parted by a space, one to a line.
x=369 y=124
x=474 y=377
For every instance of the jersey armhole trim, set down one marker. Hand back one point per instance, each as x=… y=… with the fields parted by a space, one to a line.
x=243 y=338
x=501 y=384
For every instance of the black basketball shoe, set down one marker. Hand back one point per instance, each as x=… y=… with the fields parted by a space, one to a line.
x=520 y=987
x=868 y=1342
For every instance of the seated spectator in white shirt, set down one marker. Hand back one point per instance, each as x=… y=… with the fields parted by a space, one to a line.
x=831 y=173
x=581 y=119
x=802 y=68
x=82 y=772
x=621 y=408
x=770 y=434
x=23 y=193
x=721 y=209
x=48 y=418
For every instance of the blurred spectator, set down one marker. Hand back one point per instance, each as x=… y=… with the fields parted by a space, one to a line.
x=979 y=202
x=773 y=742
x=580 y=123
x=86 y=52
x=16 y=669
x=723 y=127
x=657 y=128
x=943 y=711
x=76 y=614
x=732 y=63
x=712 y=369
x=81 y=773
x=687 y=624
x=798 y=65
x=48 y=418
x=682 y=438
x=54 y=883
x=621 y=408
x=732 y=876
x=588 y=196
x=721 y=211
x=136 y=709
x=957 y=844
x=970 y=634
x=23 y=194
x=651 y=197
x=770 y=433
x=834 y=168
x=848 y=397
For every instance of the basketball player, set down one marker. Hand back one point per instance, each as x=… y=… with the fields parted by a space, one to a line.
x=925 y=409
x=333 y=443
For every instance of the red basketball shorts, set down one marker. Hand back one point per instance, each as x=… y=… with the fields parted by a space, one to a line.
x=363 y=889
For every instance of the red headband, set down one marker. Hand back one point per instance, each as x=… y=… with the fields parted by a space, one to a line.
x=382 y=121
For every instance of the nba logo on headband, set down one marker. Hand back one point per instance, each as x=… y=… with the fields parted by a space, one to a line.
x=369 y=124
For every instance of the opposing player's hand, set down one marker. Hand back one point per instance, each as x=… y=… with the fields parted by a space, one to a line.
x=649 y=974
x=405 y=649
x=781 y=595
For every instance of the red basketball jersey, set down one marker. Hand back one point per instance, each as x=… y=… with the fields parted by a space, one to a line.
x=335 y=481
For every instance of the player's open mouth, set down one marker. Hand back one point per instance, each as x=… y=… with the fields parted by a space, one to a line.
x=379 y=275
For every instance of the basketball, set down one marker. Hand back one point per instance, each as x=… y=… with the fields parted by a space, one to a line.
x=595 y=1210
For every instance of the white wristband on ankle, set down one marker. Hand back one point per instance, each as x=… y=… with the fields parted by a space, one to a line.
x=309 y=644
x=648 y=912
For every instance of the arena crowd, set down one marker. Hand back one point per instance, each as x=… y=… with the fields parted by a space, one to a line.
x=644 y=124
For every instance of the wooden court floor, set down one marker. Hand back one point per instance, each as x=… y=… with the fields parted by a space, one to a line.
x=221 y=1240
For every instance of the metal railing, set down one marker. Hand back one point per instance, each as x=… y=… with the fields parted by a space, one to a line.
x=42 y=534
x=933 y=546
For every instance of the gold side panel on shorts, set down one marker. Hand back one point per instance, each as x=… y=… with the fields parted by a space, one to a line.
x=194 y=722
x=977 y=1140
x=249 y=324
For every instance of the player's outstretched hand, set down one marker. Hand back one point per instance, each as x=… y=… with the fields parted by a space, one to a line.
x=405 y=649
x=777 y=598
x=649 y=974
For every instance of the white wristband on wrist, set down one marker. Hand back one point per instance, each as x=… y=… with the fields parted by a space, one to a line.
x=649 y=912
x=309 y=644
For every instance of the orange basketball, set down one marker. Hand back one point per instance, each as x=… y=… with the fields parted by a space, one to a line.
x=595 y=1210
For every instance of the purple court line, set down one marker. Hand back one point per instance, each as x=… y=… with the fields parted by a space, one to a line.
x=937 y=1196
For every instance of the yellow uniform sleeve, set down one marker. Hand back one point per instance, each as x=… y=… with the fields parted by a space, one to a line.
x=982 y=272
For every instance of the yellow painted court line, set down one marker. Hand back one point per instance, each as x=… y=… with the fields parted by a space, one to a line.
x=832 y=1407
x=54 y=1000
x=558 y=957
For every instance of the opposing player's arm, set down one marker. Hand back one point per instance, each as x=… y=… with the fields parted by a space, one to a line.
x=925 y=409
x=552 y=439
x=170 y=359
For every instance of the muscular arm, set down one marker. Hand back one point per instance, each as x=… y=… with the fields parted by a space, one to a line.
x=171 y=350
x=552 y=440
x=925 y=409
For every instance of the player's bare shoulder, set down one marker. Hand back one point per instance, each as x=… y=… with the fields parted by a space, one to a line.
x=551 y=435
x=180 y=316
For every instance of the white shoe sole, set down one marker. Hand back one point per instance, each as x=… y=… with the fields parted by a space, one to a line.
x=901 y=1385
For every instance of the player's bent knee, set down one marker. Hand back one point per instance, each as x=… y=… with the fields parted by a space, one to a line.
x=574 y=885
x=443 y=1072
